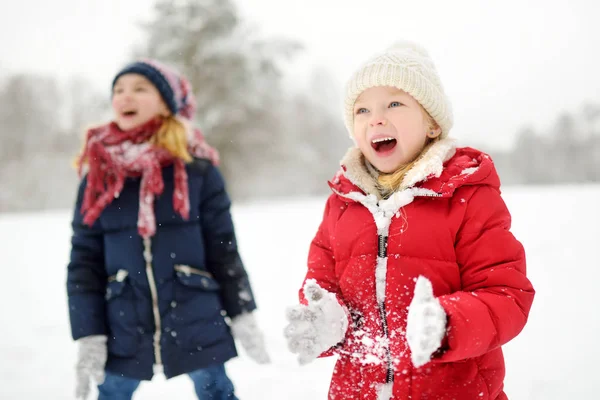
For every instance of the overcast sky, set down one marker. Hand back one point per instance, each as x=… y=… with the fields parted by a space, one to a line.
x=504 y=66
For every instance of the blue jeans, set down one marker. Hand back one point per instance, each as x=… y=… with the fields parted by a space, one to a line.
x=211 y=383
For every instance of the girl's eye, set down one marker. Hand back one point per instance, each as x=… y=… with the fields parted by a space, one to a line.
x=362 y=111
x=117 y=91
x=395 y=104
x=140 y=89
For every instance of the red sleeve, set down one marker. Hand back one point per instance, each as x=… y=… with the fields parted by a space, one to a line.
x=496 y=295
x=321 y=262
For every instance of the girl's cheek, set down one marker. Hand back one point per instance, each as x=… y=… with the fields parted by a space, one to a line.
x=115 y=103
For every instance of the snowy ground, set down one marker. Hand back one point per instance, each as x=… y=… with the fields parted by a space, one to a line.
x=556 y=356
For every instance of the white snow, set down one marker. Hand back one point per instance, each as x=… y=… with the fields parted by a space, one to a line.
x=469 y=171
x=373 y=347
x=555 y=357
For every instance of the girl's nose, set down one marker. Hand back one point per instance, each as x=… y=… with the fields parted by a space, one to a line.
x=378 y=120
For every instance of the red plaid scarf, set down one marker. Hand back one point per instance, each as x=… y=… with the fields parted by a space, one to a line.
x=114 y=155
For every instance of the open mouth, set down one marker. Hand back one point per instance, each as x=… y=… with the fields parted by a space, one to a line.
x=129 y=113
x=384 y=144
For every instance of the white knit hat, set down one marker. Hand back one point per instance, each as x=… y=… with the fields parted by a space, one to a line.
x=406 y=66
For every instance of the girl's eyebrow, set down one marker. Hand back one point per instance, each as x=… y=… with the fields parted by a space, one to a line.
x=398 y=93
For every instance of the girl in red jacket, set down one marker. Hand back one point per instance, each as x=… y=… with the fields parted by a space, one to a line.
x=414 y=278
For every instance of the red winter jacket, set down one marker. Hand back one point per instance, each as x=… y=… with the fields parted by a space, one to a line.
x=449 y=224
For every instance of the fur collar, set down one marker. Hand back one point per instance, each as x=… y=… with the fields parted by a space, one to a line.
x=431 y=164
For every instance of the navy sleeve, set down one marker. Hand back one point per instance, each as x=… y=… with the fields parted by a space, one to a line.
x=86 y=276
x=222 y=257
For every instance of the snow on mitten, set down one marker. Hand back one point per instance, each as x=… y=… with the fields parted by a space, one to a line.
x=245 y=329
x=90 y=363
x=426 y=323
x=317 y=326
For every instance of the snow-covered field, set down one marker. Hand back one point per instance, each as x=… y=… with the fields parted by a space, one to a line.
x=556 y=356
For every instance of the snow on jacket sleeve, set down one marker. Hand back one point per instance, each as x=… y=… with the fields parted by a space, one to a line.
x=222 y=257
x=496 y=295
x=86 y=276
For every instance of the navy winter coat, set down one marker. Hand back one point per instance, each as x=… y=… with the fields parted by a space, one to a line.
x=167 y=306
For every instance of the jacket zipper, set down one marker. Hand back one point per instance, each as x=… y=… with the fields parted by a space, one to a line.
x=382 y=246
x=154 y=294
x=382 y=253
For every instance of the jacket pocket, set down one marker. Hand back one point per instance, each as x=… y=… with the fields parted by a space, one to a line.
x=121 y=316
x=456 y=380
x=195 y=319
x=196 y=278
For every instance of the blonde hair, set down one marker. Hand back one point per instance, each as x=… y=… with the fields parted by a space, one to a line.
x=171 y=136
x=389 y=183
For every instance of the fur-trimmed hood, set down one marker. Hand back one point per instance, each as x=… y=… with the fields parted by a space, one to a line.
x=442 y=170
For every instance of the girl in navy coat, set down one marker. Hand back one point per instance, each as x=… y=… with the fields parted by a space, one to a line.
x=155 y=280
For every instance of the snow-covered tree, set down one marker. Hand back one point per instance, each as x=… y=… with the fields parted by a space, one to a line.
x=235 y=76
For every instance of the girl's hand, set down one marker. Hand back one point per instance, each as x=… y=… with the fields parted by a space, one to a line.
x=245 y=329
x=317 y=326
x=90 y=363
x=426 y=323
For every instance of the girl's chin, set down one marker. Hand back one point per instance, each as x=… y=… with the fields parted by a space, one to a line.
x=385 y=164
x=385 y=168
x=126 y=125
x=388 y=170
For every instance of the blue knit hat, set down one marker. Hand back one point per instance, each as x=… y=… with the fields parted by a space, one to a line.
x=174 y=89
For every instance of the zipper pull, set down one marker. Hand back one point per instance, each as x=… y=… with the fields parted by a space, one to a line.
x=382 y=246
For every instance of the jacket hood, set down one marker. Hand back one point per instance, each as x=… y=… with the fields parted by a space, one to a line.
x=442 y=170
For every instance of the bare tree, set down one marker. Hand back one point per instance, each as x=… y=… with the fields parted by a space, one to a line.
x=40 y=132
x=28 y=116
x=569 y=152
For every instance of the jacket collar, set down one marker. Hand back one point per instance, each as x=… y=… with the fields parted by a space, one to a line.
x=430 y=165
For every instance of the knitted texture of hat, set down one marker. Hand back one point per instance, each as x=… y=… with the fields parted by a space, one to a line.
x=406 y=66
x=174 y=89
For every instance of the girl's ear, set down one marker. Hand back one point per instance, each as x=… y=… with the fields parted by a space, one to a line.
x=164 y=112
x=434 y=132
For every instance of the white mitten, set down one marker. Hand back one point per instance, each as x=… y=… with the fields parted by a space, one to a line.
x=90 y=363
x=426 y=323
x=245 y=329
x=316 y=327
